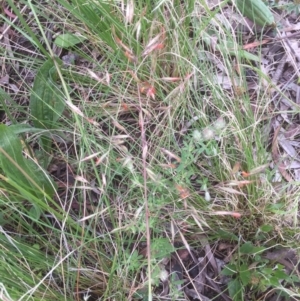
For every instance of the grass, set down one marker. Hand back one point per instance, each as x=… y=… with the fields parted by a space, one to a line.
x=134 y=173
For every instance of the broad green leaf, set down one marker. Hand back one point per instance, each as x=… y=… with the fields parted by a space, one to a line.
x=280 y=274
x=35 y=212
x=235 y=290
x=267 y=271
x=24 y=173
x=274 y=281
x=229 y=270
x=226 y=235
x=257 y=11
x=245 y=274
x=266 y=228
x=259 y=249
x=68 y=40
x=249 y=248
x=46 y=100
x=25 y=128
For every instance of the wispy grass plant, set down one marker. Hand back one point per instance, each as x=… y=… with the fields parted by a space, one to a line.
x=157 y=142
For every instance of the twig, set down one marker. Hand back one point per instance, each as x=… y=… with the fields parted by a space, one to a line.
x=144 y=156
